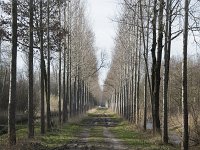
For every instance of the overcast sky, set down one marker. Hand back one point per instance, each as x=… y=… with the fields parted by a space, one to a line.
x=101 y=13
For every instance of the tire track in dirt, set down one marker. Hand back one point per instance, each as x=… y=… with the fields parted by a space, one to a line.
x=114 y=143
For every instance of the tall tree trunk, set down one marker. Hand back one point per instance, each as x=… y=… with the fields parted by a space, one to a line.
x=13 y=72
x=81 y=96
x=157 y=67
x=124 y=100
x=45 y=80
x=75 y=100
x=146 y=45
x=135 y=73
x=184 y=80
x=132 y=86
x=42 y=68
x=132 y=92
x=87 y=99
x=138 y=84
x=0 y=51
x=60 y=72
x=30 y=70
x=153 y=51
x=119 y=97
x=69 y=59
x=166 y=71
x=48 y=70
x=78 y=93
x=84 y=97
x=67 y=46
x=64 y=71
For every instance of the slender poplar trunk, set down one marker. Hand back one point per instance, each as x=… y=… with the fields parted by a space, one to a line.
x=42 y=68
x=153 y=51
x=138 y=85
x=166 y=72
x=185 y=143
x=48 y=70
x=30 y=70
x=60 y=73
x=146 y=45
x=158 y=66
x=64 y=72
x=135 y=74
x=13 y=72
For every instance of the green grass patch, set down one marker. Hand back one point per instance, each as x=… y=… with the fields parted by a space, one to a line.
x=96 y=131
x=51 y=139
x=60 y=136
x=137 y=140
x=96 y=135
x=21 y=133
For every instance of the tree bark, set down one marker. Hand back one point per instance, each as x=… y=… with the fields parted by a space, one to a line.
x=78 y=93
x=166 y=71
x=12 y=90
x=135 y=73
x=157 y=68
x=64 y=72
x=48 y=70
x=75 y=100
x=60 y=73
x=69 y=59
x=146 y=45
x=30 y=70
x=42 y=68
x=184 y=80
x=153 y=51
x=68 y=77
x=138 y=85
x=0 y=51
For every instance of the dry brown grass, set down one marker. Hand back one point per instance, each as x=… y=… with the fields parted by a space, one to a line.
x=175 y=126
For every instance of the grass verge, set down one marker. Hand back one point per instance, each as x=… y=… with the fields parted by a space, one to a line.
x=61 y=136
x=138 y=140
x=51 y=139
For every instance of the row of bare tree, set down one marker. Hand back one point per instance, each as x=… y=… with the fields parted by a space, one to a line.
x=57 y=44
x=134 y=86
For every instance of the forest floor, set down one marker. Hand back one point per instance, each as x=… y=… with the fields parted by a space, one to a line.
x=99 y=130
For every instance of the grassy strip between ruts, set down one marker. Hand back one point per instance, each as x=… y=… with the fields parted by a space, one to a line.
x=62 y=136
x=96 y=135
x=136 y=139
x=51 y=139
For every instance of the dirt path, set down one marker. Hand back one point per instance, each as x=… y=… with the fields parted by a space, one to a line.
x=114 y=143
x=96 y=135
x=80 y=144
